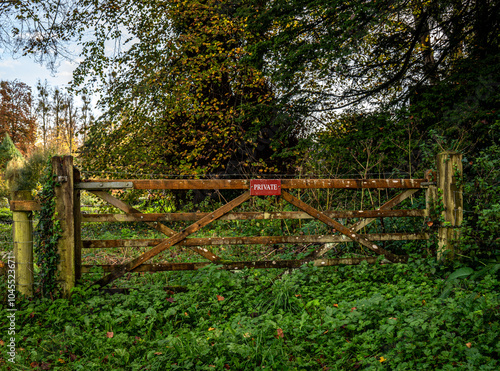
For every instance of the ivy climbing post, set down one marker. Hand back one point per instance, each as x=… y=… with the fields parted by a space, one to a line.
x=62 y=170
x=449 y=182
x=23 y=244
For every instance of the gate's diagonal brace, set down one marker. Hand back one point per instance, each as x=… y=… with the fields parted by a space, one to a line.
x=364 y=222
x=130 y=266
x=119 y=204
x=339 y=227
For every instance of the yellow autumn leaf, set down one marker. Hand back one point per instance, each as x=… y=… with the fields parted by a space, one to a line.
x=211 y=328
x=382 y=359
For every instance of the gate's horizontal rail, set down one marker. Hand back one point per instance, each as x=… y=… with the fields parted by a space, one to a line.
x=172 y=217
x=260 y=240
x=245 y=183
x=159 y=267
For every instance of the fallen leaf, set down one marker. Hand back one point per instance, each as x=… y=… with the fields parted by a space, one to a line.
x=2 y=343
x=158 y=353
x=430 y=224
x=468 y=345
x=109 y=334
x=326 y=332
x=298 y=295
x=226 y=366
x=382 y=359
x=353 y=309
x=186 y=314
x=60 y=360
x=280 y=333
x=34 y=364
x=424 y=302
x=211 y=328
x=170 y=300
x=2 y=264
x=336 y=305
x=45 y=366
x=220 y=298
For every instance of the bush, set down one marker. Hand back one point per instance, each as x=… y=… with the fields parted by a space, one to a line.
x=25 y=174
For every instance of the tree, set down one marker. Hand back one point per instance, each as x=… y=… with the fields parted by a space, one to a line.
x=43 y=109
x=16 y=114
x=8 y=151
x=39 y=28
x=181 y=99
x=328 y=55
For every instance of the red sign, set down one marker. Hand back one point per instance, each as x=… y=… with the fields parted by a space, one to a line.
x=265 y=187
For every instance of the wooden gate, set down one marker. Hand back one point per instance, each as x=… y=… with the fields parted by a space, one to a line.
x=69 y=210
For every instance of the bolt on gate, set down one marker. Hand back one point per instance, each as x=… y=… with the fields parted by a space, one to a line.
x=68 y=208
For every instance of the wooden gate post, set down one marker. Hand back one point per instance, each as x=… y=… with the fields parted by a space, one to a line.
x=23 y=245
x=449 y=165
x=62 y=168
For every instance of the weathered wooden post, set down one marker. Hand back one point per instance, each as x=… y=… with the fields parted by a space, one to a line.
x=77 y=217
x=62 y=168
x=449 y=165
x=23 y=244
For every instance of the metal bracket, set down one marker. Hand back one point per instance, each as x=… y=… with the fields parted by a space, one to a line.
x=103 y=185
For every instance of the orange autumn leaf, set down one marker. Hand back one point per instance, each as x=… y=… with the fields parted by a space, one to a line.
x=468 y=345
x=336 y=305
x=280 y=333
x=430 y=224
x=220 y=298
x=2 y=343
x=109 y=334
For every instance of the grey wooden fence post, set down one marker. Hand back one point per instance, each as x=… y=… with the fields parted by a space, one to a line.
x=449 y=165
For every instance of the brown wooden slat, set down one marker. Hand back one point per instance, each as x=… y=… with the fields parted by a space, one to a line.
x=339 y=227
x=25 y=206
x=170 y=217
x=364 y=222
x=119 y=204
x=285 y=183
x=121 y=270
x=159 y=267
x=260 y=240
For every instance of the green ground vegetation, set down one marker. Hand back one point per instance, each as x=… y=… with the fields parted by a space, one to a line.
x=420 y=315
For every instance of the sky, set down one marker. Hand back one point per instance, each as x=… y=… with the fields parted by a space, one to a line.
x=26 y=70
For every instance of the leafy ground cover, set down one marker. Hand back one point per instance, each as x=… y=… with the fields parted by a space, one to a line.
x=413 y=316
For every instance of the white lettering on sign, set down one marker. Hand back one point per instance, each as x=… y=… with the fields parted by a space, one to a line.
x=265 y=187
